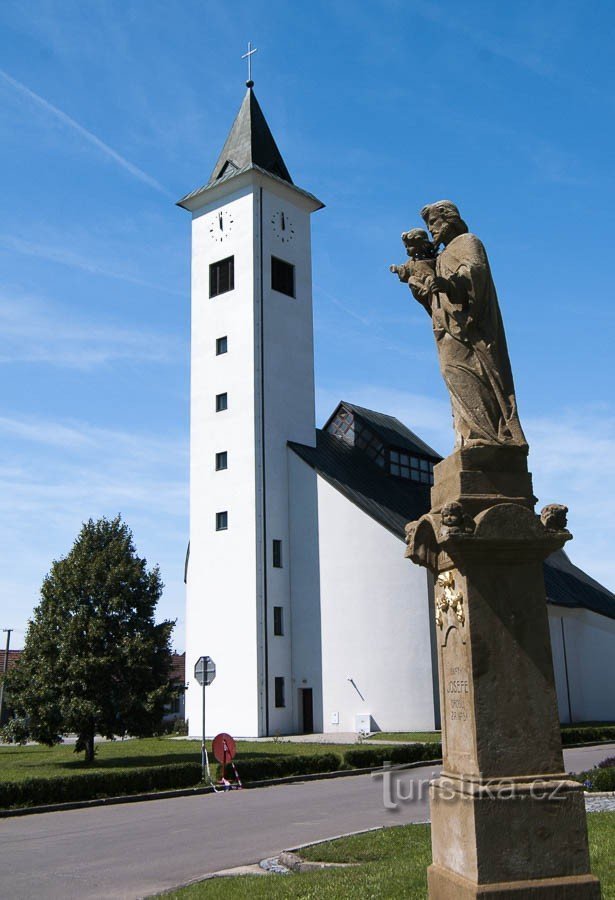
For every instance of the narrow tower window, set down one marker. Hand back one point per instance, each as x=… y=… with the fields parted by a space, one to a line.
x=221 y=402
x=221 y=345
x=222 y=521
x=280 y=700
x=221 y=460
x=277 y=554
x=222 y=276
x=278 y=621
x=282 y=276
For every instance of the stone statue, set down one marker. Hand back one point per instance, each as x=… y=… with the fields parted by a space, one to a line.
x=457 y=290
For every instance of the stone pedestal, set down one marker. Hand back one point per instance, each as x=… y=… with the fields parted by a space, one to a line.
x=506 y=822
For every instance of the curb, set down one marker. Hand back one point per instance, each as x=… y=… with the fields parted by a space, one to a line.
x=194 y=791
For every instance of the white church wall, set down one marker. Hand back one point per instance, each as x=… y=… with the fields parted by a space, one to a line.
x=375 y=623
x=287 y=407
x=221 y=614
x=585 y=672
x=304 y=612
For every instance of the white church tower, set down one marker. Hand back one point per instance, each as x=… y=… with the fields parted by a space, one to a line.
x=252 y=391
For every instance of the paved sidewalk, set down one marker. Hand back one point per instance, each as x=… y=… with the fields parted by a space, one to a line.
x=339 y=737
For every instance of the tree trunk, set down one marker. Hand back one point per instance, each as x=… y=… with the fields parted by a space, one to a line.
x=89 y=747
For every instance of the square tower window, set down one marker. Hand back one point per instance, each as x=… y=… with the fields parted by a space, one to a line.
x=277 y=554
x=278 y=621
x=221 y=402
x=222 y=276
x=222 y=521
x=221 y=345
x=221 y=461
x=282 y=276
x=280 y=699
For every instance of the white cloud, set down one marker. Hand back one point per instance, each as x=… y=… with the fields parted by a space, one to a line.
x=34 y=331
x=88 y=136
x=67 y=257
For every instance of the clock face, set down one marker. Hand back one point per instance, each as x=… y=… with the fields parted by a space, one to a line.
x=220 y=225
x=283 y=228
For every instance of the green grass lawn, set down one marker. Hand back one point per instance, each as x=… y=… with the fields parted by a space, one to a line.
x=407 y=737
x=17 y=763
x=392 y=864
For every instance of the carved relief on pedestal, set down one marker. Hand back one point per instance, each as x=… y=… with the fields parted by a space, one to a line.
x=448 y=598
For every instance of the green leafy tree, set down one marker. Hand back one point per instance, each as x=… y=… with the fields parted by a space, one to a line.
x=94 y=660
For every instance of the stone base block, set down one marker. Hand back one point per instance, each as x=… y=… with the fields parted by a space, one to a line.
x=481 y=477
x=507 y=832
x=446 y=885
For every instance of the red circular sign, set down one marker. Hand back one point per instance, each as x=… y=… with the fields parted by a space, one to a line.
x=224 y=748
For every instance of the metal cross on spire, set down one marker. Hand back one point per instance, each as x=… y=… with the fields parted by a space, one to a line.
x=248 y=56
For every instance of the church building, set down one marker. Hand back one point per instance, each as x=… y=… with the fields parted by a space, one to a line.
x=297 y=586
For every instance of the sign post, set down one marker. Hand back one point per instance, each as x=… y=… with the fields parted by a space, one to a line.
x=204 y=672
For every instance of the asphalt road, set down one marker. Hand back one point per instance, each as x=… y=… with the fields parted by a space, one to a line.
x=130 y=851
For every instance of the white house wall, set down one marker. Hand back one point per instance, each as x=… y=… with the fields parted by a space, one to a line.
x=584 y=661
x=375 y=623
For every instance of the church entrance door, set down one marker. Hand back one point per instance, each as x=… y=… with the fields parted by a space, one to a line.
x=307 y=710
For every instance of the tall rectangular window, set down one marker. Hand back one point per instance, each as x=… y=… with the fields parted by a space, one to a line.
x=221 y=461
x=277 y=554
x=222 y=276
x=222 y=521
x=278 y=621
x=221 y=402
x=280 y=699
x=221 y=345
x=282 y=276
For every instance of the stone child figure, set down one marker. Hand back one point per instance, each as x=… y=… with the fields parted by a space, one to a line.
x=419 y=270
x=469 y=333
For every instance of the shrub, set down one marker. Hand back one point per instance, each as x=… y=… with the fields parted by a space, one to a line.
x=598 y=779
x=589 y=734
x=369 y=757
x=284 y=765
x=607 y=763
x=95 y=784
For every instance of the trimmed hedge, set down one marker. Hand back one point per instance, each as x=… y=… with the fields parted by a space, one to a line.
x=284 y=765
x=99 y=783
x=590 y=734
x=599 y=779
x=369 y=757
x=109 y=783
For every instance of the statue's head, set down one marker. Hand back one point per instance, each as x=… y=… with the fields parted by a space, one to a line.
x=444 y=221
x=417 y=244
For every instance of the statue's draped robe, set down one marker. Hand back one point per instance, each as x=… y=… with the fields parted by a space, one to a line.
x=472 y=348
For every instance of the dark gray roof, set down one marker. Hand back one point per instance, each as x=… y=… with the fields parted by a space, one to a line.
x=391 y=431
x=250 y=146
x=250 y=142
x=389 y=500
x=230 y=173
x=567 y=585
x=395 y=501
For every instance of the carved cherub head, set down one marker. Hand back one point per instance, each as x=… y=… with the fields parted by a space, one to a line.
x=452 y=515
x=554 y=517
x=418 y=245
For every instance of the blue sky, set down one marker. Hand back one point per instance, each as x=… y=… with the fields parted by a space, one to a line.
x=110 y=111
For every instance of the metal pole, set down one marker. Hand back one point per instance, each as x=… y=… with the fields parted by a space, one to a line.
x=5 y=668
x=203 y=743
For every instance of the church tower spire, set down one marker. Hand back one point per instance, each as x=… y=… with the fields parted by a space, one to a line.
x=250 y=143
x=252 y=391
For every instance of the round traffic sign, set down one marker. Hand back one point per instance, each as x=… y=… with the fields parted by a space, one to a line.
x=224 y=748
